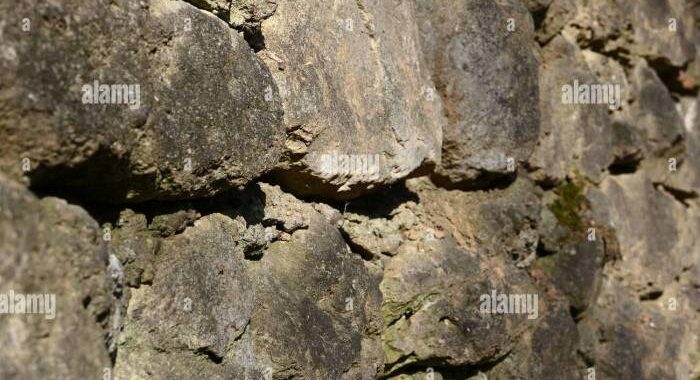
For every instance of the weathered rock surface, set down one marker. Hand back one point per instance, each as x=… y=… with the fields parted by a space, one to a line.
x=653 y=111
x=547 y=351
x=434 y=318
x=244 y=15
x=359 y=106
x=573 y=137
x=494 y=222
x=663 y=332
x=654 y=231
x=657 y=30
x=578 y=215
x=307 y=307
x=445 y=252
x=678 y=169
x=486 y=75
x=54 y=251
x=162 y=144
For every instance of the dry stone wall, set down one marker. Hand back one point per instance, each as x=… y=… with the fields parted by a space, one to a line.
x=349 y=189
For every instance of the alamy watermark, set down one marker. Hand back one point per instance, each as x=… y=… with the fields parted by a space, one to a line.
x=592 y=93
x=127 y=94
x=338 y=164
x=495 y=303
x=19 y=303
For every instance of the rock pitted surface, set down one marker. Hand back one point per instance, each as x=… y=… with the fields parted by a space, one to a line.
x=262 y=189
x=162 y=143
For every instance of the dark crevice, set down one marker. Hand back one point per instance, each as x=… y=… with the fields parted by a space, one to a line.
x=626 y=165
x=207 y=351
x=542 y=251
x=243 y=332
x=538 y=17
x=356 y=248
x=406 y=315
x=382 y=204
x=255 y=39
x=485 y=181
x=576 y=313
x=547 y=184
x=543 y=182
x=247 y=202
x=100 y=212
x=448 y=372
x=398 y=362
x=674 y=77
x=86 y=301
x=651 y=295
x=619 y=54
x=682 y=196
x=377 y=204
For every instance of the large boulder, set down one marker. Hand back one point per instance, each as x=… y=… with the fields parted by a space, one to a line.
x=654 y=230
x=653 y=111
x=649 y=294
x=624 y=335
x=432 y=297
x=574 y=136
x=549 y=350
x=678 y=168
x=483 y=66
x=442 y=250
x=56 y=274
x=182 y=107
x=359 y=106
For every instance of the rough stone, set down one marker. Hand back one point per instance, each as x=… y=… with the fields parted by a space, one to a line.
x=495 y=222
x=486 y=76
x=654 y=230
x=573 y=137
x=162 y=144
x=442 y=263
x=662 y=332
x=547 y=351
x=653 y=111
x=635 y=28
x=52 y=248
x=431 y=317
x=210 y=311
x=359 y=106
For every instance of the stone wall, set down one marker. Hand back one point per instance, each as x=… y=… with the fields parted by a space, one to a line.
x=349 y=189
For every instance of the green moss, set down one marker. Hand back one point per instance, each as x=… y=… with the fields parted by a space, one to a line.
x=393 y=311
x=570 y=205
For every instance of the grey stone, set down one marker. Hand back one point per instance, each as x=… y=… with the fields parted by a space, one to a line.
x=253 y=241
x=431 y=306
x=208 y=116
x=635 y=28
x=547 y=351
x=359 y=106
x=573 y=137
x=654 y=230
x=305 y=307
x=245 y=15
x=653 y=111
x=54 y=249
x=486 y=76
x=662 y=332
